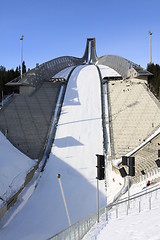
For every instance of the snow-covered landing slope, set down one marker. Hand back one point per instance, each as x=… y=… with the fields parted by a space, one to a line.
x=78 y=138
x=79 y=134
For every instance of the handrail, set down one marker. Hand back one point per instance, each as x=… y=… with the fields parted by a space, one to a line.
x=138 y=193
x=79 y=229
x=131 y=198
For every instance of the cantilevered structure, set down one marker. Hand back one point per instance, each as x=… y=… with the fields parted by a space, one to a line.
x=27 y=116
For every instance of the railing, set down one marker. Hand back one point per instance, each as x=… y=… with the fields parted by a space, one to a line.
x=79 y=229
x=138 y=201
x=6 y=100
x=54 y=121
x=123 y=206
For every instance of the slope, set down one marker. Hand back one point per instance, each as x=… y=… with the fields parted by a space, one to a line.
x=14 y=168
x=78 y=138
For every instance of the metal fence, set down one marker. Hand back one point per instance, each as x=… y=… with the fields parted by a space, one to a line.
x=79 y=229
x=123 y=206
x=138 y=202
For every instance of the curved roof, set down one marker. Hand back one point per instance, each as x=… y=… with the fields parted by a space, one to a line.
x=47 y=70
x=122 y=65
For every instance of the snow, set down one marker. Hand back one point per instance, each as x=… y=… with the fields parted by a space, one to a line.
x=14 y=167
x=143 y=225
x=79 y=134
x=79 y=138
x=63 y=73
x=40 y=211
x=108 y=72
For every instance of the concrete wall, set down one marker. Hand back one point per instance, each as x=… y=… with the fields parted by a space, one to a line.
x=27 y=119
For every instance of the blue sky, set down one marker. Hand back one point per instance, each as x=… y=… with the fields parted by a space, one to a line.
x=54 y=28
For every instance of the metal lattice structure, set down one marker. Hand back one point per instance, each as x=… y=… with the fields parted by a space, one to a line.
x=45 y=71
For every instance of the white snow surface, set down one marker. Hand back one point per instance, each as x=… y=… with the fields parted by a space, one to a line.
x=108 y=72
x=79 y=138
x=14 y=166
x=63 y=73
x=40 y=215
x=143 y=225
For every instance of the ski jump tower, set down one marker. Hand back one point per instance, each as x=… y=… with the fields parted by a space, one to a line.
x=90 y=56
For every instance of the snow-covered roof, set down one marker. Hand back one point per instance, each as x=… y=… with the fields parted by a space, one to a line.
x=122 y=65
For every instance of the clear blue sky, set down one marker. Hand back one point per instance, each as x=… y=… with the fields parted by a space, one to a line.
x=54 y=28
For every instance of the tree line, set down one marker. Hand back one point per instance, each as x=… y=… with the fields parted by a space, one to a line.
x=8 y=75
x=154 y=80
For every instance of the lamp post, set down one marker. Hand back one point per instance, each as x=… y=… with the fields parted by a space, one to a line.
x=64 y=200
x=21 y=54
x=150 y=34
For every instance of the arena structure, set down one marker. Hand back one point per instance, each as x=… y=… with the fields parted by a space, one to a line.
x=37 y=89
x=131 y=128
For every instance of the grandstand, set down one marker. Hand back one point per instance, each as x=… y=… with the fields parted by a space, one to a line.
x=134 y=115
x=145 y=157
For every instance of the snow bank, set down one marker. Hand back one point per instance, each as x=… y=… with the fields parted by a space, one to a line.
x=14 y=166
x=135 y=225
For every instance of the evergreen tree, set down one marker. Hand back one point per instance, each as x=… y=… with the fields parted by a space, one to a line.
x=154 y=80
x=7 y=76
x=23 y=67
